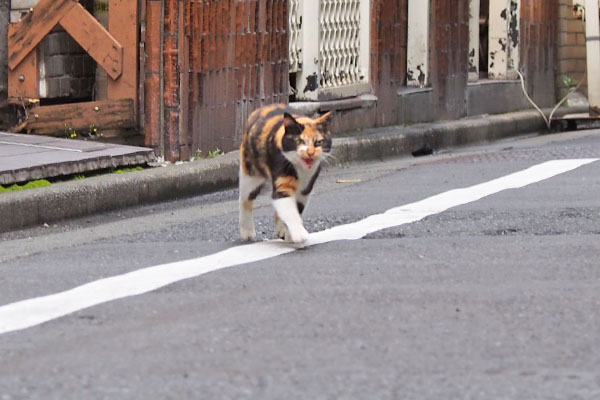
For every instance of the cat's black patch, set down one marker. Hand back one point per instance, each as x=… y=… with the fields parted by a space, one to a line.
x=254 y=194
x=311 y=183
x=292 y=127
x=289 y=142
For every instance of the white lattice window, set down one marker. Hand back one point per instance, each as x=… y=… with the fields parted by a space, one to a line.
x=295 y=43
x=329 y=48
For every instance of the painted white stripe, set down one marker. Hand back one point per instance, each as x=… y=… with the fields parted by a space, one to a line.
x=35 y=311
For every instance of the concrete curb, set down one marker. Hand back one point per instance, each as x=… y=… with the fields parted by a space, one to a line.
x=115 y=191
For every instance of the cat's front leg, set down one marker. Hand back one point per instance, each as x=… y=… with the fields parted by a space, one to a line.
x=280 y=229
x=287 y=211
x=249 y=189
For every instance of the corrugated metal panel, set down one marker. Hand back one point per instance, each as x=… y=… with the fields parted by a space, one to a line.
x=209 y=65
x=238 y=62
x=449 y=57
x=389 y=28
x=539 y=20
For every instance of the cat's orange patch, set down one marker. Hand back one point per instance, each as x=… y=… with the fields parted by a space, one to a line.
x=270 y=124
x=248 y=205
x=287 y=185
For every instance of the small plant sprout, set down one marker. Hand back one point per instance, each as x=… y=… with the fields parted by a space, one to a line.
x=215 y=153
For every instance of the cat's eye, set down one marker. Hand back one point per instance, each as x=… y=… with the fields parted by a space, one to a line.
x=318 y=143
x=299 y=141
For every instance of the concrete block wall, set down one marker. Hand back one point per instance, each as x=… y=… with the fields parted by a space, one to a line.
x=66 y=70
x=571 y=52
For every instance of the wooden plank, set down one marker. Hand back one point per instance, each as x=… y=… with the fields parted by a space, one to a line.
x=109 y=114
x=28 y=32
x=94 y=39
x=123 y=24
x=23 y=81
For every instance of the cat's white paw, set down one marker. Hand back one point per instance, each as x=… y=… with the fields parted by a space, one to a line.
x=247 y=233
x=297 y=235
x=281 y=230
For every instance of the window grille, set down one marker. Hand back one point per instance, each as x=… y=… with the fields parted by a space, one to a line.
x=295 y=16
x=329 y=48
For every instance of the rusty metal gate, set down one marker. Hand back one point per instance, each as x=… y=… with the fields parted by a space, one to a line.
x=208 y=67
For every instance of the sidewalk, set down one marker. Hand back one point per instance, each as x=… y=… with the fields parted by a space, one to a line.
x=114 y=191
x=31 y=157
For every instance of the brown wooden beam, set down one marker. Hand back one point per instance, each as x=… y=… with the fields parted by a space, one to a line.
x=95 y=40
x=23 y=81
x=34 y=27
x=52 y=120
x=123 y=24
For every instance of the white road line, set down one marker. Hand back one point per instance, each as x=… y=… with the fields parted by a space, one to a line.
x=35 y=311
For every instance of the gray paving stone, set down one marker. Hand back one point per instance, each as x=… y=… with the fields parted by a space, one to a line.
x=28 y=157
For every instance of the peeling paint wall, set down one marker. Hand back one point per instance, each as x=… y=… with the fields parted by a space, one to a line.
x=474 y=11
x=498 y=53
x=514 y=36
x=417 y=58
x=504 y=38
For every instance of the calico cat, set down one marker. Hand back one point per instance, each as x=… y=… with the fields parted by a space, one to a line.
x=286 y=148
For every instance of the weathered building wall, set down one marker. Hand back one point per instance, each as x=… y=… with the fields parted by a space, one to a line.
x=4 y=17
x=571 y=56
x=248 y=67
x=389 y=26
x=539 y=27
x=449 y=38
x=209 y=64
x=220 y=60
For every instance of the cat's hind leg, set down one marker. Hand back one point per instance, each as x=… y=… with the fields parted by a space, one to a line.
x=286 y=209
x=250 y=187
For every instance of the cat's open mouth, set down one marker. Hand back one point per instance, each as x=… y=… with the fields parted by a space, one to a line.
x=308 y=162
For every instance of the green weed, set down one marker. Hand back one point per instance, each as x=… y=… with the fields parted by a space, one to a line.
x=29 y=185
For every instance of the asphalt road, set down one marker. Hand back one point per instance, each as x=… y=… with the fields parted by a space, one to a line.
x=497 y=298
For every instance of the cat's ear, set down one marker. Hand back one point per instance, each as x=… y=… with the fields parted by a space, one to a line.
x=324 y=119
x=292 y=127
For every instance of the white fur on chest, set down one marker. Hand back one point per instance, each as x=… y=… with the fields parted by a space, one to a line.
x=304 y=175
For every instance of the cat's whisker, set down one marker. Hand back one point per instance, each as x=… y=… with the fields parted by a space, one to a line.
x=327 y=158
